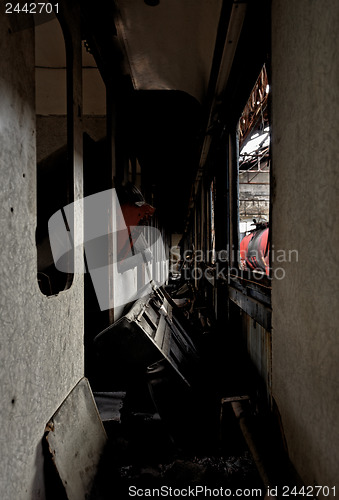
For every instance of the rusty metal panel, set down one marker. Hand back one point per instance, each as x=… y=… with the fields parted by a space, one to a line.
x=259 y=347
x=261 y=313
x=76 y=439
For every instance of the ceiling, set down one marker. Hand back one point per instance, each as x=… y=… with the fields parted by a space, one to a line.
x=169 y=61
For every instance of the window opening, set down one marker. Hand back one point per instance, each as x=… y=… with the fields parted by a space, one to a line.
x=54 y=162
x=254 y=178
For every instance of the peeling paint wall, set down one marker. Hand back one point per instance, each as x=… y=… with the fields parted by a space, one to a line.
x=305 y=133
x=41 y=357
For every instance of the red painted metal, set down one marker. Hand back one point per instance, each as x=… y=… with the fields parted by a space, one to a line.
x=254 y=250
x=135 y=215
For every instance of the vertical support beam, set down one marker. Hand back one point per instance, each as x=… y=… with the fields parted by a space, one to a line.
x=74 y=114
x=222 y=229
x=233 y=197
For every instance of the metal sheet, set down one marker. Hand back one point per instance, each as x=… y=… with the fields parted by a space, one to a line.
x=126 y=348
x=255 y=309
x=76 y=440
x=170 y=46
x=109 y=405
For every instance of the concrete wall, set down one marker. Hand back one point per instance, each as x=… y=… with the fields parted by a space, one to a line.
x=41 y=337
x=305 y=135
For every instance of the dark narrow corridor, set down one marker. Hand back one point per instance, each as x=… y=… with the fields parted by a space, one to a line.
x=169 y=214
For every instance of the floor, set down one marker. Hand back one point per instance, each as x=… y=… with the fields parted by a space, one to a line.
x=178 y=439
x=167 y=439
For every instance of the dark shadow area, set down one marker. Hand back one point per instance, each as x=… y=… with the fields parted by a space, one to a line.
x=210 y=433
x=54 y=489
x=169 y=433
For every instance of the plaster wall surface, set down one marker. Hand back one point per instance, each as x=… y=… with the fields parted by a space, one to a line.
x=305 y=131
x=41 y=356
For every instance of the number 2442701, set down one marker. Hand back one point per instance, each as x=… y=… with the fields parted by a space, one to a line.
x=32 y=8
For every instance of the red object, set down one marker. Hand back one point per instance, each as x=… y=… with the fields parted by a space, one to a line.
x=134 y=216
x=254 y=250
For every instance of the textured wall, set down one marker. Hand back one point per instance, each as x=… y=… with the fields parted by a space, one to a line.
x=305 y=132
x=41 y=357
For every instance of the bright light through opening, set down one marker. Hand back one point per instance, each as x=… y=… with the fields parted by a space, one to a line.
x=256 y=143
